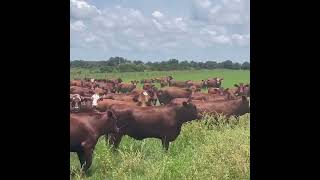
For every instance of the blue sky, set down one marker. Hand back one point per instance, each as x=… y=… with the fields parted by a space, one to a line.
x=154 y=30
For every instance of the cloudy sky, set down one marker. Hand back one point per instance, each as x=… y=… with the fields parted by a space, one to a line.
x=153 y=30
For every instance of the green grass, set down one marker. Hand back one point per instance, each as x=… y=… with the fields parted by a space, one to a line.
x=204 y=150
x=230 y=76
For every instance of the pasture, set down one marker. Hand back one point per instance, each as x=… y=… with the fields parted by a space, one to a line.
x=230 y=76
x=205 y=149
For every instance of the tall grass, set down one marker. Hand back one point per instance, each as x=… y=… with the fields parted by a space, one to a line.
x=205 y=149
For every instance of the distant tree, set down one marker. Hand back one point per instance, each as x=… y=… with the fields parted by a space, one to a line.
x=245 y=65
x=236 y=66
x=227 y=64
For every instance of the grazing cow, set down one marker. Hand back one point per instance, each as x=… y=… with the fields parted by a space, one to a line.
x=215 y=82
x=81 y=91
x=242 y=90
x=126 y=87
x=165 y=95
x=162 y=122
x=85 y=130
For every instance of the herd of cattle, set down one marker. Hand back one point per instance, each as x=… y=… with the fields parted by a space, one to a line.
x=123 y=109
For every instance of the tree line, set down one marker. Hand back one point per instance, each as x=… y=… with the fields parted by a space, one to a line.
x=120 y=64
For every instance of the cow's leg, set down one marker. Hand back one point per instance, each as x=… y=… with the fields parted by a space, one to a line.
x=88 y=158
x=117 y=140
x=165 y=143
x=114 y=139
x=110 y=138
x=81 y=157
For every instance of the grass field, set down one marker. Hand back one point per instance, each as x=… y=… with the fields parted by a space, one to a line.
x=204 y=149
x=230 y=76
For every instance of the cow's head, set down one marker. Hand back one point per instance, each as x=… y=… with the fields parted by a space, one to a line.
x=134 y=82
x=111 y=122
x=75 y=102
x=144 y=99
x=241 y=89
x=219 y=81
x=190 y=110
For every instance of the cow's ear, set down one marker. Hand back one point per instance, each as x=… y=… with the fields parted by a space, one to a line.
x=236 y=85
x=221 y=79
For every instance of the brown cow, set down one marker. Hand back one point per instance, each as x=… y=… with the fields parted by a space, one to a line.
x=194 y=89
x=167 y=78
x=120 y=97
x=80 y=103
x=100 y=91
x=147 y=86
x=136 y=91
x=175 y=83
x=115 y=81
x=76 y=83
x=140 y=100
x=152 y=122
x=215 y=82
x=236 y=107
x=75 y=102
x=81 y=91
x=147 y=81
x=126 y=87
x=164 y=83
x=199 y=85
x=215 y=90
x=242 y=90
x=85 y=130
x=165 y=95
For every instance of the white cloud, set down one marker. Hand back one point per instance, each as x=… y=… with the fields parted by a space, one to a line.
x=80 y=9
x=223 y=12
x=157 y=14
x=127 y=29
x=77 y=26
x=204 y=3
